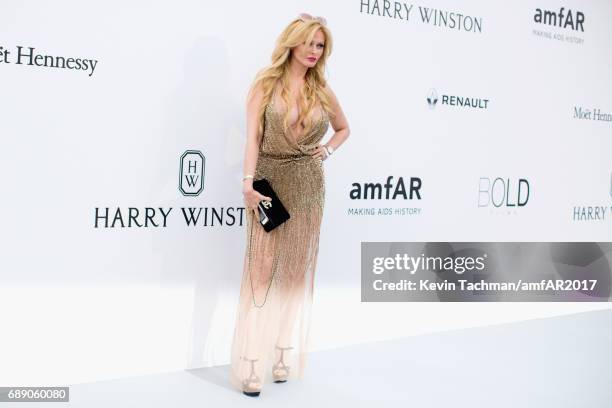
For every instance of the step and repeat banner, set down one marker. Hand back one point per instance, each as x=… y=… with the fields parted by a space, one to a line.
x=123 y=134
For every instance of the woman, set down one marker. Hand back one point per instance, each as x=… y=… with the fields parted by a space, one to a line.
x=273 y=318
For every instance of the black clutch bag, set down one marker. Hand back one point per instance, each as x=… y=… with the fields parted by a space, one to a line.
x=271 y=213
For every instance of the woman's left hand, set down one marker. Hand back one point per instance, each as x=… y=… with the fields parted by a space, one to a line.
x=319 y=153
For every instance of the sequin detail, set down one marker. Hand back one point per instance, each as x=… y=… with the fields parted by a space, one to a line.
x=283 y=261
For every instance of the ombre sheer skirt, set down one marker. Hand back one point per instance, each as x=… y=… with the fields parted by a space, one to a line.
x=276 y=293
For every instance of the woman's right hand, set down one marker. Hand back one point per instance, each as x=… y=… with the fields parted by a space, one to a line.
x=252 y=197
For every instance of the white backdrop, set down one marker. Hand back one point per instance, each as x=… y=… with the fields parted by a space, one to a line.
x=85 y=303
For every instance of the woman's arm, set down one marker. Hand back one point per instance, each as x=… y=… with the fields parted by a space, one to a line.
x=254 y=101
x=253 y=104
x=338 y=122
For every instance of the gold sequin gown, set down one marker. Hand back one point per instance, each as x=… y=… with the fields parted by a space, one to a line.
x=271 y=335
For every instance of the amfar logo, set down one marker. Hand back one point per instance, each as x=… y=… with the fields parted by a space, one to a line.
x=560 y=19
x=563 y=20
x=591 y=114
x=191 y=173
x=403 y=11
x=502 y=192
x=390 y=190
x=453 y=100
x=374 y=191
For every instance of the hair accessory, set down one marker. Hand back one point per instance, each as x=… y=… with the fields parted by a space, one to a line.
x=306 y=16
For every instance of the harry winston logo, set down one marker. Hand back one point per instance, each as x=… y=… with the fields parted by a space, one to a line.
x=432 y=98
x=191 y=174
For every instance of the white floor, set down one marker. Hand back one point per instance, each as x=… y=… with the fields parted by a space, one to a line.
x=553 y=362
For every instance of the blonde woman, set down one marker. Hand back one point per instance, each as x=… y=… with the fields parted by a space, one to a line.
x=289 y=108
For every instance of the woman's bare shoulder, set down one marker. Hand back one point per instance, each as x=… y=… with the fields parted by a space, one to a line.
x=255 y=92
x=330 y=93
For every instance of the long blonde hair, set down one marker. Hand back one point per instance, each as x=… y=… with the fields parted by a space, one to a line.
x=296 y=33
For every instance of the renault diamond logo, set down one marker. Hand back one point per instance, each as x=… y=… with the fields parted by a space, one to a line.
x=432 y=98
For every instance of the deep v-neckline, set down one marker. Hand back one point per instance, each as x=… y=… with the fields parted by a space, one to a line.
x=299 y=139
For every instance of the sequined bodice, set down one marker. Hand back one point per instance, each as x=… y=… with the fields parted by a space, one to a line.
x=277 y=143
